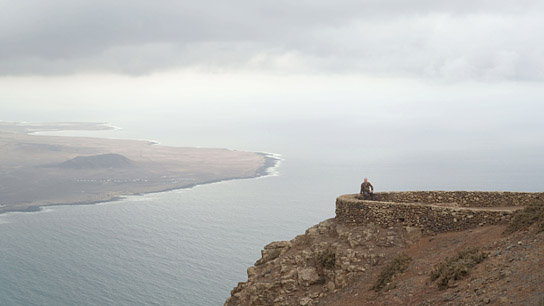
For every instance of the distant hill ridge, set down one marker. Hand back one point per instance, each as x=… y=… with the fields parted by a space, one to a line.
x=110 y=160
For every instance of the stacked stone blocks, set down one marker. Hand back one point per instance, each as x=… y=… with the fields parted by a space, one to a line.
x=434 y=211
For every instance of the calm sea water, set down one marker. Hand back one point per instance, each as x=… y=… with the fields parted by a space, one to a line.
x=184 y=247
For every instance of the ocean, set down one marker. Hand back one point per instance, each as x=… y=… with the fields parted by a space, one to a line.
x=182 y=247
x=192 y=246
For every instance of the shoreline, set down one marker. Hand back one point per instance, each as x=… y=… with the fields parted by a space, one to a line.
x=271 y=162
x=268 y=168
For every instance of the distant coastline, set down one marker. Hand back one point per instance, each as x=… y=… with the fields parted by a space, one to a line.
x=272 y=162
x=164 y=168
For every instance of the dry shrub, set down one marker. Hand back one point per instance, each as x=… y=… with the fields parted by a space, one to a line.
x=457 y=267
x=398 y=265
x=327 y=259
x=523 y=219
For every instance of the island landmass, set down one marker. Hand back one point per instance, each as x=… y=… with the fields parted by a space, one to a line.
x=40 y=170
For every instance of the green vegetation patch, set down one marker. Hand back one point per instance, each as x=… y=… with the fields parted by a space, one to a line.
x=531 y=214
x=398 y=265
x=457 y=267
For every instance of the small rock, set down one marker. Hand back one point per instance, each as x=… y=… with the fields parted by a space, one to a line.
x=305 y=301
x=289 y=285
x=251 y=272
x=278 y=245
x=307 y=276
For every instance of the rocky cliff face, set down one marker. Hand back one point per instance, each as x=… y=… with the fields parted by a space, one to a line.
x=317 y=264
x=339 y=264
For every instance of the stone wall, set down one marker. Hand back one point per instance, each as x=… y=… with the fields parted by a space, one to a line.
x=464 y=198
x=433 y=211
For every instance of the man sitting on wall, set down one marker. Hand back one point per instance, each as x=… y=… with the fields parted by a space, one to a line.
x=367 y=190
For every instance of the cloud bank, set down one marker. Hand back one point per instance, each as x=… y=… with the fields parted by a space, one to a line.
x=446 y=40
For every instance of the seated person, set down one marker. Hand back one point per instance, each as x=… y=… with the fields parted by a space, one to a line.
x=367 y=190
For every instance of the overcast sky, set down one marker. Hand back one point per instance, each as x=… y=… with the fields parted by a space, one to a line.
x=446 y=40
x=420 y=85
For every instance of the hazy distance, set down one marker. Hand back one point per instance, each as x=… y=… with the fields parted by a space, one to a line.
x=428 y=94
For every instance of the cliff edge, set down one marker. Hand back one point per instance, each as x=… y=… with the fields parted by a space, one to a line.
x=411 y=248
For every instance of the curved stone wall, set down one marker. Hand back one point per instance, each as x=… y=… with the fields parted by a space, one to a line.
x=464 y=198
x=433 y=211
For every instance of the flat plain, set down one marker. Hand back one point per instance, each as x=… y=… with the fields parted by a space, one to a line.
x=37 y=170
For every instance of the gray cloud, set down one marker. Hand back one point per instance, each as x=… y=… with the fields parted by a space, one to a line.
x=449 y=40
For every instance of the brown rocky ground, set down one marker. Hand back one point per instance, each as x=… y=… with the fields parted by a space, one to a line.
x=295 y=272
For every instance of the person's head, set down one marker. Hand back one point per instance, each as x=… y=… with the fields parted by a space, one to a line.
x=366 y=180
